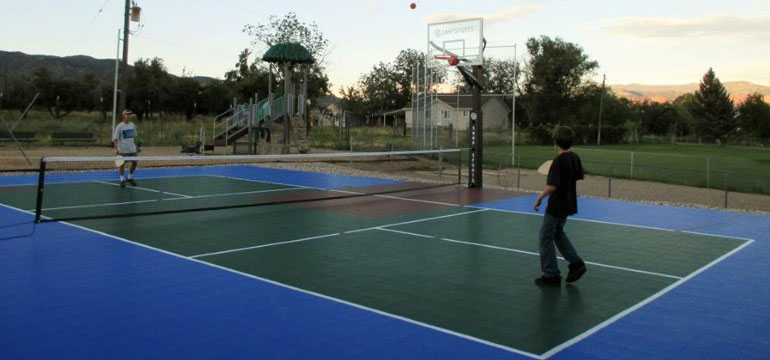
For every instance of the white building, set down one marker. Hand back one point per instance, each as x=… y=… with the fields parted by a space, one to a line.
x=452 y=110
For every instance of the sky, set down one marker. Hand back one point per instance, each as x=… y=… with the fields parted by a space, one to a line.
x=645 y=42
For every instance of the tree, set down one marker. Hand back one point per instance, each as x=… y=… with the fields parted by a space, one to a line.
x=713 y=109
x=248 y=79
x=686 y=123
x=184 y=95
x=216 y=97
x=387 y=86
x=150 y=84
x=498 y=76
x=290 y=29
x=552 y=76
x=403 y=68
x=657 y=118
x=754 y=116
x=58 y=95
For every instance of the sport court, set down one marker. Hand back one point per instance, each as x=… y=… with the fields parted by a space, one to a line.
x=431 y=272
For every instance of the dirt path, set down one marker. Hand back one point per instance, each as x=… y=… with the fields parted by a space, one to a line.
x=634 y=190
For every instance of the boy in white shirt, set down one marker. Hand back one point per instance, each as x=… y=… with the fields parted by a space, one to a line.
x=123 y=140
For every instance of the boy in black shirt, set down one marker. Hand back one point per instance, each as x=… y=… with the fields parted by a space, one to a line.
x=565 y=171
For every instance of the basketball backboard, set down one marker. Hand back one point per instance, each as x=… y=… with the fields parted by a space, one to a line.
x=459 y=42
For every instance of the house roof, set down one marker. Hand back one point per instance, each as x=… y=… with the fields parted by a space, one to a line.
x=326 y=100
x=463 y=101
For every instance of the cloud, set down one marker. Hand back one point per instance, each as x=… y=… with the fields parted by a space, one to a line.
x=516 y=12
x=719 y=26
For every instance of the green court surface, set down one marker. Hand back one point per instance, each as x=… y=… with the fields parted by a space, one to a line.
x=455 y=267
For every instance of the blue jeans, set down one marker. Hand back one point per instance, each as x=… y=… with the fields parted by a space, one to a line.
x=552 y=232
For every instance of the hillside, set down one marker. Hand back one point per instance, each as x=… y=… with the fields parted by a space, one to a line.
x=15 y=64
x=738 y=90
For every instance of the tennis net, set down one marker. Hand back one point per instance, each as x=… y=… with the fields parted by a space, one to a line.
x=76 y=188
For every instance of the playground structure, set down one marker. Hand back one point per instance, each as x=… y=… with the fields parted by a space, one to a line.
x=259 y=121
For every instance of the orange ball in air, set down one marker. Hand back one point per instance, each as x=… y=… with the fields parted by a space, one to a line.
x=413 y=5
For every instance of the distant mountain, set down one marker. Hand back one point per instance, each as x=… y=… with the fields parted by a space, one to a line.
x=15 y=64
x=738 y=90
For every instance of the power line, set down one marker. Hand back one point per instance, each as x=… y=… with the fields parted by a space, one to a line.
x=88 y=28
x=213 y=53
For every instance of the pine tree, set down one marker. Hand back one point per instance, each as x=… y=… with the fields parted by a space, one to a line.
x=713 y=109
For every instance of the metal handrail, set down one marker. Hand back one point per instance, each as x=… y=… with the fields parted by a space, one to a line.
x=240 y=115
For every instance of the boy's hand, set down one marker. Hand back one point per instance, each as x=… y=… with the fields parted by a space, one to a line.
x=536 y=206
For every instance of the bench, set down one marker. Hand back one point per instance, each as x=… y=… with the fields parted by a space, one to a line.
x=72 y=137
x=21 y=136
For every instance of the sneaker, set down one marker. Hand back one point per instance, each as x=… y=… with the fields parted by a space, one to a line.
x=576 y=270
x=132 y=182
x=548 y=281
x=122 y=183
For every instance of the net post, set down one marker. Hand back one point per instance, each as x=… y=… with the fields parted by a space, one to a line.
x=708 y=172
x=40 y=186
x=518 y=172
x=460 y=166
x=726 y=191
x=609 y=180
x=441 y=148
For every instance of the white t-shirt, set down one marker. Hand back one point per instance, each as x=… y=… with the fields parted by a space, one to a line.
x=125 y=134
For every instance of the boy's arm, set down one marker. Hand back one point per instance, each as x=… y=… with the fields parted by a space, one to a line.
x=546 y=191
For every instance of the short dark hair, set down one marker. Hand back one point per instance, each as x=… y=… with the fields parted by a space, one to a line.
x=563 y=137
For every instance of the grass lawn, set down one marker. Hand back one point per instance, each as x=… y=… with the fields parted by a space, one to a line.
x=694 y=165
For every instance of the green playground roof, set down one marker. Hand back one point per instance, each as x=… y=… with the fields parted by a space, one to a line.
x=288 y=52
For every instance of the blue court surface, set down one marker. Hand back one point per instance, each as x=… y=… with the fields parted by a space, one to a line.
x=88 y=290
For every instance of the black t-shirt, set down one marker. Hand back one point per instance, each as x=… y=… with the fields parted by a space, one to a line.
x=565 y=171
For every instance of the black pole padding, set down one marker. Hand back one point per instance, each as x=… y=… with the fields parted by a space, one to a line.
x=40 y=187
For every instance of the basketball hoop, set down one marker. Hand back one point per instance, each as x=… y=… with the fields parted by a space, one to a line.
x=451 y=59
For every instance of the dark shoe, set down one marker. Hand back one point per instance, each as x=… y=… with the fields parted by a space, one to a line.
x=576 y=270
x=548 y=281
x=122 y=183
x=132 y=182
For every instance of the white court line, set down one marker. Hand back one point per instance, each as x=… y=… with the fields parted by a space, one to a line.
x=145 y=189
x=415 y=221
x=644 y=302
x=718 y=236
x=572 y=218
x=284 y=184
x=322 y=236
x=264 y=245
x=406 y=233
x=308 y=292
x=531 y=253
x=417 y=200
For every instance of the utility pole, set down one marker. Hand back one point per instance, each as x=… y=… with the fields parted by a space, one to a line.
x=601 y=110
x=513 y=110
x=124 y=64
